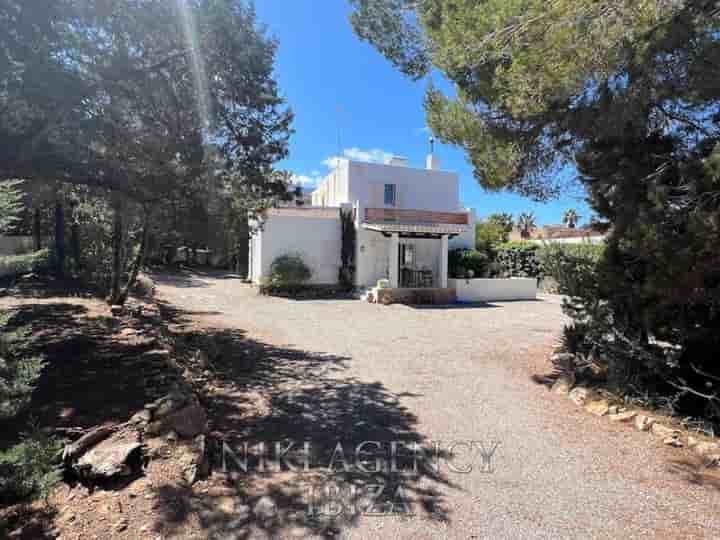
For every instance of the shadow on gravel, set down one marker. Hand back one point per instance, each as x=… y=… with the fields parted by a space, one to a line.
x=262 y=394
x=694 y=471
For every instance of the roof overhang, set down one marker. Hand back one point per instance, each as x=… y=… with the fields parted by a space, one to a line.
x=416 y=230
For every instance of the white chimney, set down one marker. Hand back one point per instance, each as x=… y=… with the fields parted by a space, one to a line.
x=433 y=162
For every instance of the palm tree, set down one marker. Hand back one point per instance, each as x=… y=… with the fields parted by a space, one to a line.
x=526 y=223
x=571 y=217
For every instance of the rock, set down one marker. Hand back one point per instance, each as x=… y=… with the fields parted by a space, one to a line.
x=169 y=404
x=195 y=461
x=142 y=417
x=662 y=431
x=643 y=422
x=623 y=416
x=579 y=395
x=563 y=359
x=109 y=459
x=692 y=441
x=703 y=448
x=614 y=409
x=3 y=292
x=202 y=359
x=712 y=460
x=598 y=408
x=563 y=384
x=673 y=441
x=74 y=450
x=116 y=310
x=187 y=422
x=265 y=509
x=121 y=525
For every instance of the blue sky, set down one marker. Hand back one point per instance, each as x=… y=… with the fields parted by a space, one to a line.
x=349 y=100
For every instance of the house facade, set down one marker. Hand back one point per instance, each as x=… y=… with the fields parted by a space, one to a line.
x=406 y=219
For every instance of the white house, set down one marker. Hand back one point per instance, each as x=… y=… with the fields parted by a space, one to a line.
x=405 y=218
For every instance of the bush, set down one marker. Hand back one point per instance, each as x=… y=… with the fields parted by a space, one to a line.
x=518 y=259
x=30 y=469
x=17 y=265
x=462 y=262
x=18 y=373
x=289 y=271
x=571 y=266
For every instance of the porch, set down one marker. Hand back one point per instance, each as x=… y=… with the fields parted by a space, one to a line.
x=414 y=245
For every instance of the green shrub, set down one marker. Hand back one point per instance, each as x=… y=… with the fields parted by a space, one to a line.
x=463 y=262
x=17 y=265
x=30 y=469
x=571 y=266
x=518 y=259
x=18 y=373
x=289 y=271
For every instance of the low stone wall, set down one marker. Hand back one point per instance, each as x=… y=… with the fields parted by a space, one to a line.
x=494 y=290
x=435 y=296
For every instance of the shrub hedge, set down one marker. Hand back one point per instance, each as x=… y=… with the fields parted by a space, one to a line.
x=17 y=265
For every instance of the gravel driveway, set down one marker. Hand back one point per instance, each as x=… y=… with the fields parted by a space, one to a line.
x=453 y=374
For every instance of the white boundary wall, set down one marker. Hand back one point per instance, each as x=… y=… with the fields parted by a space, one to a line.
x=315 y=236
x=494 y=290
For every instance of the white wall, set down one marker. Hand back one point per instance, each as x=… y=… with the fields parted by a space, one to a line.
x=418 y=189
x=371 y=258
x=316 y=238
x=494 y=290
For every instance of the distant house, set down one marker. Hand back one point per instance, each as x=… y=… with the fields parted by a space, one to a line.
x=405 y=220
x=561 y=234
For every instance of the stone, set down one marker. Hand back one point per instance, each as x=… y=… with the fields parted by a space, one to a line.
x=663 y=431
x=187 y=422
x=142 y=417
x=579 y=395
x=265 y=509
x=563 y=359
x=598 y=408
x=623 y=416
x=614 y=409
x=195 y=462
x=74 y=450
x=712 y=460
x=563 y=384
x=673 y=441
x=643 y=422
x=116 y=310
x=121 y=525
x=169 y=404
x=109 y=459
x=703 y=448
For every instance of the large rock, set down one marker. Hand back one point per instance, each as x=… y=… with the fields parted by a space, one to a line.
x=704 y=448
x=664 y=432
x=580 y=395
x=72 y=451
x=188 y=422
x=563 y=384
x=623 y=416
x=598 y=408
x=644 y=422
x=109 y=459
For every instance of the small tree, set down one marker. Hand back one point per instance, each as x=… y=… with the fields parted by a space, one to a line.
x=347 y=250
x=11 y=204
x=526 y=223
x=571 y=218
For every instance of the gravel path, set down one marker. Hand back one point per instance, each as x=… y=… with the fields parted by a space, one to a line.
x=462 y=374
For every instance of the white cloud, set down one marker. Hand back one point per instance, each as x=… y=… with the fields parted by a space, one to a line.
x=307 y=181
x=374 y=155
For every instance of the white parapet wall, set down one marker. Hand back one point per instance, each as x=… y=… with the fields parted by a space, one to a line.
x=494 y=290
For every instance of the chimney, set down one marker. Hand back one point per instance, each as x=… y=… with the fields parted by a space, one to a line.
x=432 y=163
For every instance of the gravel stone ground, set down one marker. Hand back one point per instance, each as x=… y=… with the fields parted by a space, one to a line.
x=465 y=373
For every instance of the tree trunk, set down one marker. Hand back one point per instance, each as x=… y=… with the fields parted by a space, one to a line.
x=117 y=256
x=137 y=263
x=59 y=239
x=75 y=243
x=36 y=230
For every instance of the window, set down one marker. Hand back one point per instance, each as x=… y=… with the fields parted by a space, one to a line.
x=390 y=195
